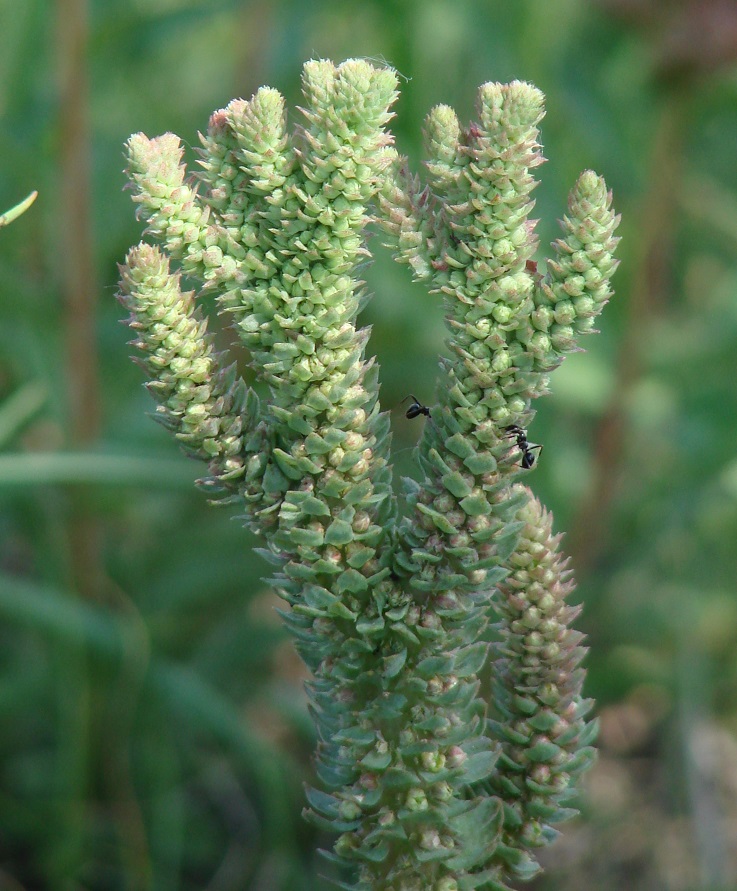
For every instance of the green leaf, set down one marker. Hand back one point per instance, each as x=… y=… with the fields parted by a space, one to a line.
x=307 y=466
x=432 y=665
x=315 y=595
x=354 y=734
x=438 y=519
x=542 y=751
x=455 y=484
x=358 y=492
x=479 y=766
x=339 y=533
x=506 y=542
x=476 y=505
x=581 y=761
x=434 y=461
x=335 y=487
x=300 y=424
x=510 y=732
x=376 y=760
x=369 y=626
x=310 y=538
x=394 y=664
x=519 y=861
x=19 y=409
x=322 y=802
x=431 y=855
x=482 y=462
x=460 y=446
x=339 y=610
x=543 y=721
x=479 y=829
x=352 y=581
x=563 y=814
x=360 y=557
x=541 y=810
x=487 y=880
x=589 y=733
x=18 y=209
x=317 y=400
x=373 y=853
x=287 y=464
x=315 y=507
x=329 y=825
x=470 y=660
x=326 y=567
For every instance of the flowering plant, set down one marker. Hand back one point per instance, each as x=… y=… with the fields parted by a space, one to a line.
x=389 y=608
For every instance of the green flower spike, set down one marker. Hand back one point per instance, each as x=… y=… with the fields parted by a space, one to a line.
x=389 y=614
x=467 y=233
x=545 y=740
x=201 y=402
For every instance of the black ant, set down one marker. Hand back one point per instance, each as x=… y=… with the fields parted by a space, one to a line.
x=514 y=431
x=416 y=409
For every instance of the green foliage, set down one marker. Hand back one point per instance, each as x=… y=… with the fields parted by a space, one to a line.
x=105 y=786
x=389 y=616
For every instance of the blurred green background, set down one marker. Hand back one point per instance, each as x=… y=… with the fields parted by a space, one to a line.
x=153 y=729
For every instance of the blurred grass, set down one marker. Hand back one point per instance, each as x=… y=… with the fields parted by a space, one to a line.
x=154 y=732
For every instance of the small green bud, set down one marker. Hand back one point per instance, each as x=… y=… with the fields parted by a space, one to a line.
x=540 y=344
x=503 y=314
x=564 y=312
x=504 y=250
x=349 y=810
x=584 y=306
x=501 y=361
x=347 y=843
x=416 y=800
x=430 y=840
x=563 y=338
x=433 y=761
x=442 y=791
x=455 y=757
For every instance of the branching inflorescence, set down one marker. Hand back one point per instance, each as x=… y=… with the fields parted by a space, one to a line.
x=389 y=612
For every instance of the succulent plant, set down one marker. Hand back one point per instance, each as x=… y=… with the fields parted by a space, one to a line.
x=389 y=608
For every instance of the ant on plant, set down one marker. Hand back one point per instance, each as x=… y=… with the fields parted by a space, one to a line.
x=514 y=431
x=416 y=409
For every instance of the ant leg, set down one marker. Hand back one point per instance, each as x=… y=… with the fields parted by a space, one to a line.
x=513 y=431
